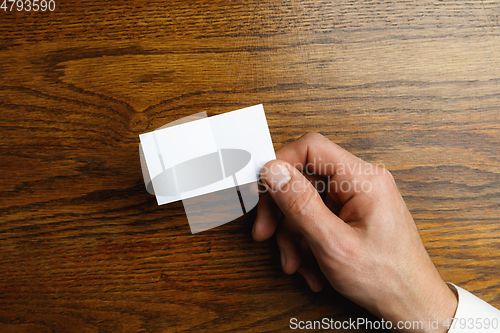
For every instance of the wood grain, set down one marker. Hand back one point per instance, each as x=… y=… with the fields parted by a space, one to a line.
x=413 y=85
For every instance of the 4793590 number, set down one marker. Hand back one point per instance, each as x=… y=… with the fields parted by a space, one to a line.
x=28 y=5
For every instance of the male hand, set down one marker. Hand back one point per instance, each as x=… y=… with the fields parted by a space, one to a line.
x=362 y=236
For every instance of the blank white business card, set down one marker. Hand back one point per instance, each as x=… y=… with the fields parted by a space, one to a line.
x=207 y=155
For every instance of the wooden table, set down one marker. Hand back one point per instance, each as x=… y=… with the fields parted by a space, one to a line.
x=414 y=85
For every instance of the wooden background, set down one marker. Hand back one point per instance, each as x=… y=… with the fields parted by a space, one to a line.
x=412 y=84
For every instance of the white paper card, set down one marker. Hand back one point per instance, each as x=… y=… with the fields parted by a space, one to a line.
x=207 y=155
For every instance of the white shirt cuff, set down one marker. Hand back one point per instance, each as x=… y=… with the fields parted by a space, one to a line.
x=473 y=314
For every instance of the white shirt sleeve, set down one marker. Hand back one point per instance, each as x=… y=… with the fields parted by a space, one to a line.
x=473 y=314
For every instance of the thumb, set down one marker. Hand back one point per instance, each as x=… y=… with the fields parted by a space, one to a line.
x=300 y=202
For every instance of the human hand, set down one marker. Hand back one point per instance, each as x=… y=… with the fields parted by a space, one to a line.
x=361 y=234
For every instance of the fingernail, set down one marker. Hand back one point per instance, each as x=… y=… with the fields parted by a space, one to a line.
x=283 y=259
x=277 y=177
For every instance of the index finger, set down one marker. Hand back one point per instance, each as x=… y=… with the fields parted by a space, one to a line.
x=313 y=153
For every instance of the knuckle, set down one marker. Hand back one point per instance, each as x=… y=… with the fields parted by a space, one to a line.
x=303 y=203
x=382 y=182
x=386 y=177
x=313 y=136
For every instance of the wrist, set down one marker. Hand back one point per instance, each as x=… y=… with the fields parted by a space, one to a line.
x=428 y=311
